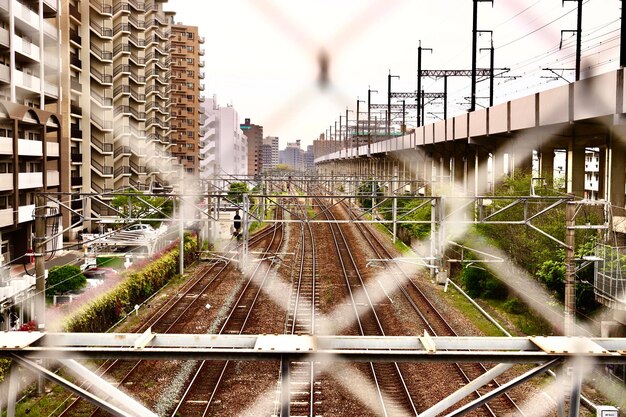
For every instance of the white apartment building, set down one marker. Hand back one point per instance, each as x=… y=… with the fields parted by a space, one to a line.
x=592 y=173
x=270 y=152
x=30 y=124
x=116 y=97
x=293 y=156
x=224 y=149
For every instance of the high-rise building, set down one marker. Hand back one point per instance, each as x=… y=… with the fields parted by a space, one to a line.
x=116 y=103
x=31 y=141
x=309 y=159
x=187 y=86
x=269 y=152
x=293 y=156
x=254 y=137
x=224 y=149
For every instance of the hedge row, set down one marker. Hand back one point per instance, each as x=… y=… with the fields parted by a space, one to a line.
x=138 y=285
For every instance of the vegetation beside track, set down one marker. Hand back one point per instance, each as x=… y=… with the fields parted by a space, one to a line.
x=139 y=284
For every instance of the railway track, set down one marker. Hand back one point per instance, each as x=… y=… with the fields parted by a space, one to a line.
x=170 y=317
x=393 y=394
x=434 y=322
x=206 y=382
x=300 y=319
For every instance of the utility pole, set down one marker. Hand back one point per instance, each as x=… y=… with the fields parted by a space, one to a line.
x=346 y=136
x=570 y=269
x=181 y=225
x=369 y=119
x=389 y=77
x=403 y=128
x=491 y=66
x=40 y=262
x=419 y=82
x=622 y=44
x=341 y=143
x=578 y=31
x=357 y=122
x=474 y=42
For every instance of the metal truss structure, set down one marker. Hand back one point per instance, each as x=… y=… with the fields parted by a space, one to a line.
x=545 y=352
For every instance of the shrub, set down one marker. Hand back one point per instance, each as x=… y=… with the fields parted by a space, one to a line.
x=514 y=306
x=138 y=285
x=62 y=279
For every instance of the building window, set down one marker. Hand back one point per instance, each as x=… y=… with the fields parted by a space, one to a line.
x=190 y=60
x=189 y=35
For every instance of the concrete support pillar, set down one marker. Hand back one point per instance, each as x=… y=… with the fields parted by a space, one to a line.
x=522 y=161
x=575 y=176
x=546 y=165
x=615 y=172
x=482 y=182
x=459 y=167
x=500 y=166
x=601 y=169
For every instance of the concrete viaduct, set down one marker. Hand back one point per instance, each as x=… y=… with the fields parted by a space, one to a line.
x=474 y=150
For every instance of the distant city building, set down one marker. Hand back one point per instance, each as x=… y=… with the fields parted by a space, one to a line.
x=186 y=54
x=254 y=138
x=309 y=159
x=322 y=146
x=293 y=156
x=270 y=152
x=592 y=173
x=224 y=150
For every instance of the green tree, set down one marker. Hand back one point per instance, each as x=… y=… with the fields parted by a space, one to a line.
x=62 y=279
x=135 y=204
x=236 y=190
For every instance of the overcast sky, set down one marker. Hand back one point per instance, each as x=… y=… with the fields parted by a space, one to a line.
x=262 y=56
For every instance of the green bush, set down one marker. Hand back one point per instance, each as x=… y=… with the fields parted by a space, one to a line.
x=137 y=286
x=62 y=279
x=514 y=306
x=481 y=283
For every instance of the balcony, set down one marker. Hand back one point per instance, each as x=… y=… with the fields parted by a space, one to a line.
x=121 y=151
x=103 y=148
x=105 y=79
x=75 y=13
x=76 y=158
x=52 y=149
x=25 y=16
x=76 y=85
x=76 y=132
x=75 y=109
x=103 y=170
x=76 y=181
x=6 y=217
x=6 y=182
x=103 y=101
x=52 y=178
x=51 y=90
x=50 y=30
x=29 y=147
x=75 y=61
x=27 y=81
x=104 y=32
x=103 y=9
x=30 y=180
x=122 y=171
x=6 y=146
x=26 y=213
x=4 y=37
x=104 y=125
x=74 y=36
x=104 y=56
x=139 y=169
